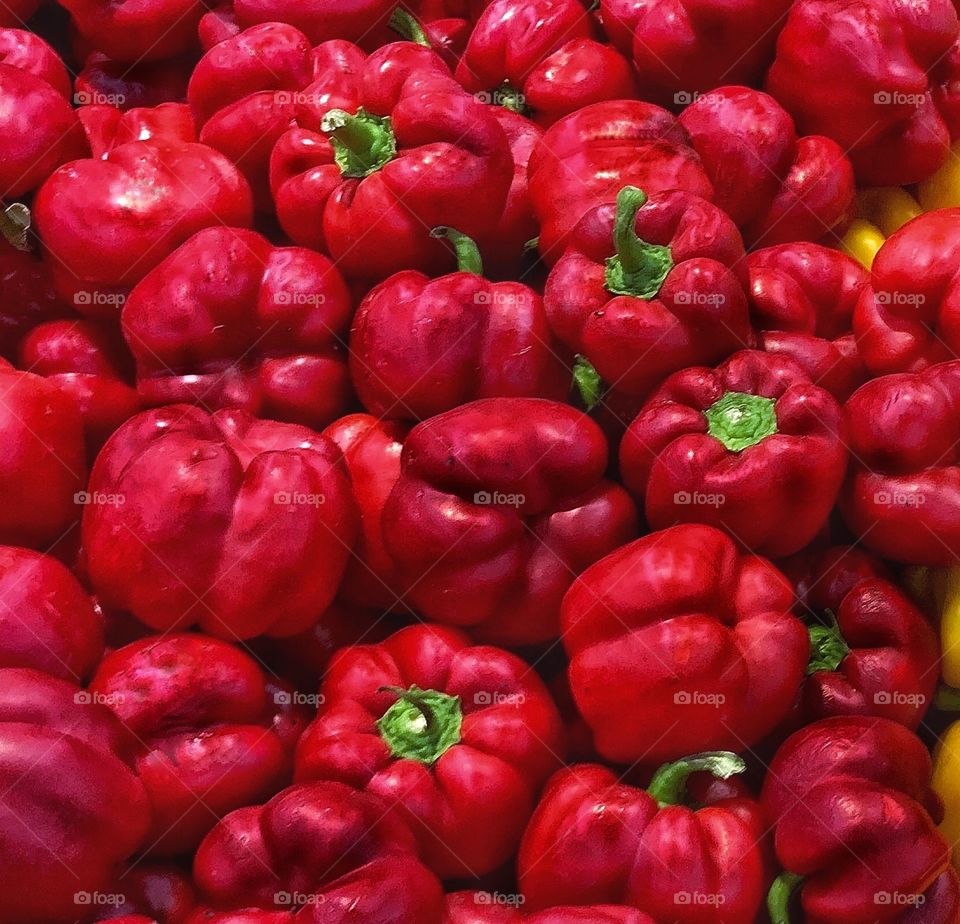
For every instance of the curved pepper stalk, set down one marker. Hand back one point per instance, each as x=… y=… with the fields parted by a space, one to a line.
x=422 y=725
x=638 y=268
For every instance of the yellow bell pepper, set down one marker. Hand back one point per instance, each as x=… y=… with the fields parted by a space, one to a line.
x=946 y=784
x=942 y=189
x=862 y=241
x=887 y=207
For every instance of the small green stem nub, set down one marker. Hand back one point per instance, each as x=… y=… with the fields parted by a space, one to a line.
x=669 y=783
x=15 y=223
x=947 y=699
x=740 y=420
x=828 y=647
x=587 y=381
x=406 y=24
x=422 y=725
x=362 y=143
x=468 y=254
x=778 y=898
x=638 y=268
x=510 y=98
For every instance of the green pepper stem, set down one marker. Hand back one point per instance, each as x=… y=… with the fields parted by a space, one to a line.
x=739 y=420
x=588 y=383
x=15 y=221
x=778 y=898
x=465 y=247
x=422 y=725
x=638 y=268
x=362 y=143
x=407 y=25
x=828 y=647
x=948 y=698
x=669 y=783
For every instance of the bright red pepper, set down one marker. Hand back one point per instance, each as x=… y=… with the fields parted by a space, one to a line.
x=42 y=460
x=218 y=24
x=678 y=641
x=239 y=525
x=28 y=295
x=802 y=298
x=63 y=773
x=775 y=186
x=500 y=503
x=16 y=12
x=228 y=320
x=420 y=346
x=596 y=840
x=87 y=361
x=885 y=85
x=752 y=447
x=490 y=908
x=872 y=651
x=212 y=736
x=107 y=127
x=909 y=317
x=362 y=21
x=324 y=849
x=103 y=81
x=683 y=48
x=458 y=738
x=107 y=222
x=849 y=800
x=29 y=52
x=648 y=286
x=48 y=621
x=587 y=157
x=901 y=497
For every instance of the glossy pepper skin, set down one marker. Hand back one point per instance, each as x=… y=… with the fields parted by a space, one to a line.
x=213 y=734
x=64 y=770
x=776 y=186
x=849 y=798
x=48 y=622
x=89 y=362
x=202 y=493
x=321 y=20
x=902 y=497
x=752 y=447
x=328 y=850
x=107 y=222
x=228 y=320
x=683 y=48
x=885 y=87
x=596 y=840
x=28 y=296
x=680 y=640
x=802 y=298
x=908 y=318
x=42 y=460
x=421 y=346
x=499 y=504
x=648 y=286
x=587 y=157
x=466 y=781
x=490 y=908
x=873 y=652
x=107 y=127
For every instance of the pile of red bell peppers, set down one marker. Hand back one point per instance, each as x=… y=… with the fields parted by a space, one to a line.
x=479 y=461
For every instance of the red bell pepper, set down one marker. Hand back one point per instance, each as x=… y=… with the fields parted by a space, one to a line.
x=27 y=51
x=152 y=893
x=649 y=286
x=42 y=460
x=103 y=81
x=909 y=317
x=107 y=127
x=885 y=86
x=420 y=346
x=752 y=447
x=901 y=497
x=494 y=908
x=587 y=157
x=48 y=621
x=324 y=849
x=17 y=12
x=802 y=298
x=87 y=361
x=499 y=505
x=218 y=24
x=133 y=32
x=775 y=186
x=457 y=738
x=872 y=651
x=371 y=452
x=228 y=320
x=679 y=640
x=597 y=840
x=28 y=295
x=355 y=20
x=212 y=737
x=107 y=222
x=227 y=517
x=683 y=48
x=63 y=773
x=849 y=800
